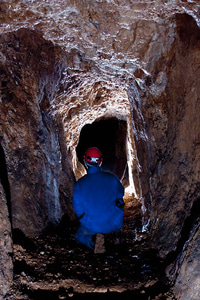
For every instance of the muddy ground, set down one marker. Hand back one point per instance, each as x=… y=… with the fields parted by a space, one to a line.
x=53 y=266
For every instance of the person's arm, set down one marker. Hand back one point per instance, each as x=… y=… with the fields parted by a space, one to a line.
x=77 y=202
x=119 y=202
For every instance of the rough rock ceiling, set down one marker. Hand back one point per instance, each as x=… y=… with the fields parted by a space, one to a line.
x=110 y=32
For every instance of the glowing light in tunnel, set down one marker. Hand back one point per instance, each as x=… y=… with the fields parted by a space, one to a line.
x=131 y=188
x=95 y=99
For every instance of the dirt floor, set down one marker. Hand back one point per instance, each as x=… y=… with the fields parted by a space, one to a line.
x=53 y=266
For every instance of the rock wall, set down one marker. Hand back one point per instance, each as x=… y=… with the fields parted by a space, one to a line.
x=6 y=251
x=188 y=279
x=184 y=272
x=30 y=70
x=172 y=120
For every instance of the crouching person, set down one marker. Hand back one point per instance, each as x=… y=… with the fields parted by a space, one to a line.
x=98 y=202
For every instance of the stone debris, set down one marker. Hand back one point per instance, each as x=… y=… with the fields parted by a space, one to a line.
x=58 y=265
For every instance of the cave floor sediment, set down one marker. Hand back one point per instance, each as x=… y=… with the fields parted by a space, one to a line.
x=54 y=266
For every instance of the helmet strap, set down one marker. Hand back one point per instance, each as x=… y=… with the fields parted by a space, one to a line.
x=89 y=165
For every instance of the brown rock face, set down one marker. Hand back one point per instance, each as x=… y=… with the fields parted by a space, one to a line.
x=6 y=265
x=172 y=120
x=30 y=138
x=185 y=272
x=187 y=282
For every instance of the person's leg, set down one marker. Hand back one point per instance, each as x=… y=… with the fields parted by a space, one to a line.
x=84 y=237
x=99 y=244
x=117 y=237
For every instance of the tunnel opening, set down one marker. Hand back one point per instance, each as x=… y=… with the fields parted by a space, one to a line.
x=4 y=181
x=60 y=257
x=110 y=136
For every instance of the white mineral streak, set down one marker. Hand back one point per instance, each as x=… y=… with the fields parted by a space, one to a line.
x=140 y=134
x=132 y=160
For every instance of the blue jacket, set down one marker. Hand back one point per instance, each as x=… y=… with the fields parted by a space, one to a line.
x=95 y=200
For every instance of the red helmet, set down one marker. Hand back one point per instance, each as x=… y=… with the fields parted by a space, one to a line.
x=93 y=156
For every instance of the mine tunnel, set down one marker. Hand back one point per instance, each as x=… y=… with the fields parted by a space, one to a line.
x=109 y=135
x=64 y=65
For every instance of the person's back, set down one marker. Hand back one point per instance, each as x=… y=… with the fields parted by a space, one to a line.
x=96 y=194
x=98 y=203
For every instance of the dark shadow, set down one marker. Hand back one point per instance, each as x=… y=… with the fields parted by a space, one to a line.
x=19 y=238
x=4 y=181
x=185 y=232
x=109 y=135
